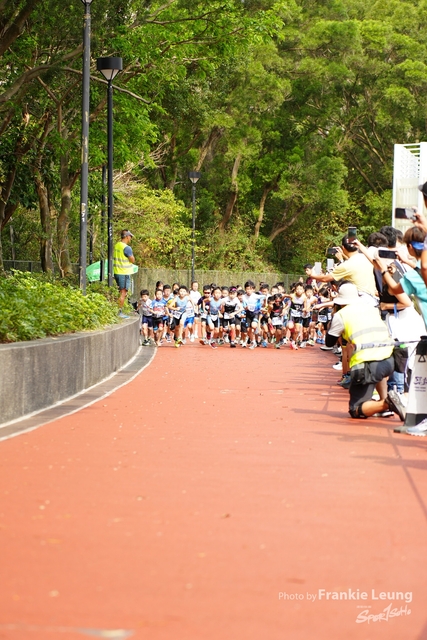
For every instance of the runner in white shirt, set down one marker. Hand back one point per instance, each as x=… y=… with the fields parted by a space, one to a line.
x=195 y=297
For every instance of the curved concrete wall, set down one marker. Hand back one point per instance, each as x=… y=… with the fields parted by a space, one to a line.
x=39 y=373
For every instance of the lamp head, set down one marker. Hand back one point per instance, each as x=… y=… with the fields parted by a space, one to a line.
x=109 y=67
x=194 y=176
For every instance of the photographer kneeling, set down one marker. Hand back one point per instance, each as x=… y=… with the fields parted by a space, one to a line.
x=361 y=326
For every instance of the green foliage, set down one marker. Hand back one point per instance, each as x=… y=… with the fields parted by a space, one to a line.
x=37 y=306
x=160 y=223
x=289 y=107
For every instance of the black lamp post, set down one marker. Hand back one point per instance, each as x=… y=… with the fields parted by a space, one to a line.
x=85 y=147
x=194 y=177
x=110 y=67
x=102 y=248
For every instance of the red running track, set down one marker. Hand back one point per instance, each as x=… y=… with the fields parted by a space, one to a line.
x=211 y=499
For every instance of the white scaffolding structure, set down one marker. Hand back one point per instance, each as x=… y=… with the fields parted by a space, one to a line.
x=409 y=171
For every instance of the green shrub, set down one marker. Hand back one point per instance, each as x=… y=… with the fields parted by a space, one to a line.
x=37 y=305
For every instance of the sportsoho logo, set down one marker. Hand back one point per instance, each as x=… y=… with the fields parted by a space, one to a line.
x=366 y=615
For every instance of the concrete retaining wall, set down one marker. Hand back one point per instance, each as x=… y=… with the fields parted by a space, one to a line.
x=39 y=373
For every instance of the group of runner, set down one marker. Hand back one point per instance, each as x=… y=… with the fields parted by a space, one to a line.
x=236 y=315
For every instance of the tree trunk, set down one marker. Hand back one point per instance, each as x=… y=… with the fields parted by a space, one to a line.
x=5 y=195
x=209 y=145
x=45 y=220
x=258 y=224
x=10 y=34
x=4 y=213
x=286 y=224
x=232 y=198
x=172 y=182
x=63 y=221
x=1 y=258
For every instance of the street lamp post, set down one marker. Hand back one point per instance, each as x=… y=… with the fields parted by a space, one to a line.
x=110 y=67
x=102 y=257
x=85 y=147
x=194 y=177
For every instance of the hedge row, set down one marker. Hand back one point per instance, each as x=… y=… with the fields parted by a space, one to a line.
x=37 y=305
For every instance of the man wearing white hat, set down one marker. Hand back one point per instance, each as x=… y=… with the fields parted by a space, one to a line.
x=372 y=358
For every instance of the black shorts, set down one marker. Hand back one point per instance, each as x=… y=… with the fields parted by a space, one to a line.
x=148 y=320
x=175 y=322
x=264 y=320
x=363 y=382
x=214 y=321
x=251 y=317
x=226 y=323
x=306 y=322
x=157 y=324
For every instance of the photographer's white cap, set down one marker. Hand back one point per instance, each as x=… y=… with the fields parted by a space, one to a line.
x=347 y=294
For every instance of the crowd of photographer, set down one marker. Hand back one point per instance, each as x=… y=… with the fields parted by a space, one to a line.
x=375 y=318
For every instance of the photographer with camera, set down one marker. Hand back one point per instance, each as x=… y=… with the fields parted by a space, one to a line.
x=421 y=222
x=372 y=358
x=353 y=267
x=397 y=309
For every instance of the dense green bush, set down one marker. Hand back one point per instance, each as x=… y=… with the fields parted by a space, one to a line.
x=36 y=306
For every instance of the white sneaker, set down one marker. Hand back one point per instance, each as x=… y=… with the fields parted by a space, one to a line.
x=192 y=338
x=419 y=430
x=337 y=366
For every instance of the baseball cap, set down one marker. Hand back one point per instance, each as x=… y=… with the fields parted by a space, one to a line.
x=126 y=233
x=423 y=188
